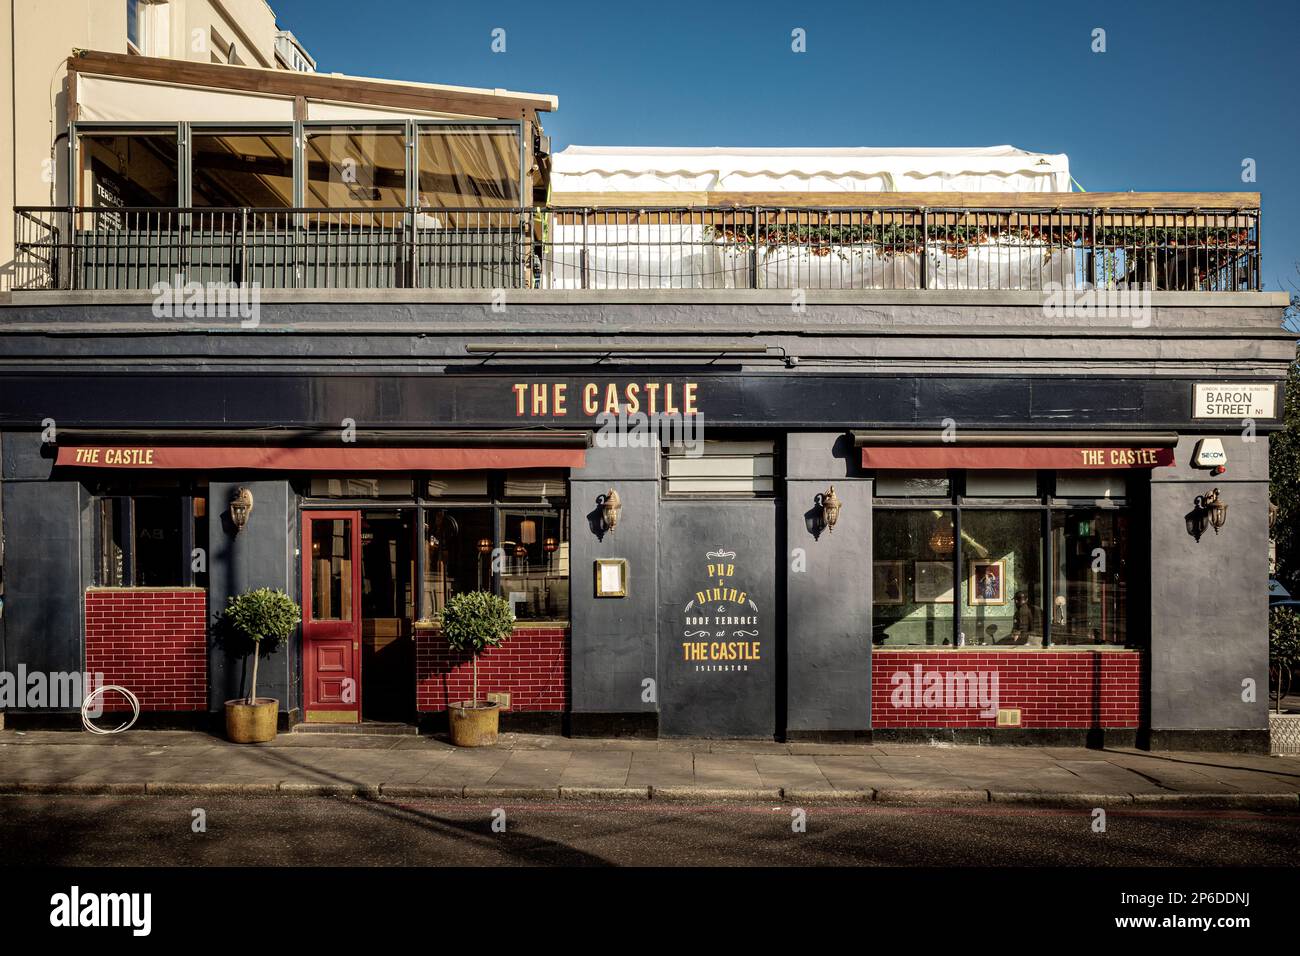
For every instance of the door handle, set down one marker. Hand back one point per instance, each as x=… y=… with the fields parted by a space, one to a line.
x=356 y=645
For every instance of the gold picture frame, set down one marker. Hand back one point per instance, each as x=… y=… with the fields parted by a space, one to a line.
x=986 y=583
x=611 y=577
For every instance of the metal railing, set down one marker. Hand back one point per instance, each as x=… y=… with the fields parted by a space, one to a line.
x=1204 y=250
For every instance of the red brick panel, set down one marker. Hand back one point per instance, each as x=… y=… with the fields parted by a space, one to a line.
x=532 y=666
x=1052 y=689
x=151 y=641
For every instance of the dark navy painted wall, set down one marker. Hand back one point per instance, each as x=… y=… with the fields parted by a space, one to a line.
x=263 y=555
x=827 y=588
x=613 y=640
x=42 y=623
x=1209 y=610
x=717 y=703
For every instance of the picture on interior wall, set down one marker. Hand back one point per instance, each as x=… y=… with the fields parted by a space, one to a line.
x=933 y=584
x=887 y=582
x=988 y=582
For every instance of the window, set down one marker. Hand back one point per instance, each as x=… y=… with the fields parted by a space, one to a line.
x=149 y=540
x=912 y=577
x=501 y=531
x=457 y=484
x=360 y=486
x=1032 y=569
x=520 y=552
x=1091 y=484
x=1002 y=570
x=148 y=27
x=913 y=484
x=469 y=167
x=251 y=168
x=133 y=24
x=129 y=169
x=331 y=561
x=535 y=556
x=1089 y=576
x=733 y=468
x=355 y=167
x=1001 y=484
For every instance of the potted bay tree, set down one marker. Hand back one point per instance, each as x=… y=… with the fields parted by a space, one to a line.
x=471 y=623
x=263 y=617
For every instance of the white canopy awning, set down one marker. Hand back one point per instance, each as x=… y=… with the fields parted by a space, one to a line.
x=589 y=169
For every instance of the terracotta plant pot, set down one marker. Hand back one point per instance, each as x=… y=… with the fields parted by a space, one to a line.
x=474 y=723
x=253 y=723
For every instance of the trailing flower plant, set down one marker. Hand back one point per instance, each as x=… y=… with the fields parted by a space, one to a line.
x=264 y=616
x=474 y=621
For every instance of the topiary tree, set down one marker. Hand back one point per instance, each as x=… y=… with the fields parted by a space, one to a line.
x=264 y=616
x=474 y=621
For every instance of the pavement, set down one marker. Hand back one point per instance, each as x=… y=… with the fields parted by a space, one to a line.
x=543 y=767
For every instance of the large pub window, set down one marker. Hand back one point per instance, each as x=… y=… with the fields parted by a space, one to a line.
x=154 y=537
x=1028 y=559
x=506 y=532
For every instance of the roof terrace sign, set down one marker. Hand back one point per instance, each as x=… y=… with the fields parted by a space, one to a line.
x=1234 y=400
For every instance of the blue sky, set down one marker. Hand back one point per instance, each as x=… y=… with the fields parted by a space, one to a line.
x=1186 y=90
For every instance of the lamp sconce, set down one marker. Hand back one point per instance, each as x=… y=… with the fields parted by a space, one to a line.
x=826 y=508
x=241 y=508
x=610 y=506
x=1208 y=511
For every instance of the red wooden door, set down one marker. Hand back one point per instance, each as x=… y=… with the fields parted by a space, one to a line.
x=331 y=616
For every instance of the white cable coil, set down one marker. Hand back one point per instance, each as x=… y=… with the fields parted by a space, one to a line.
x=130 y=698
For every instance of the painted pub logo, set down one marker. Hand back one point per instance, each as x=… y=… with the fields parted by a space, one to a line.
x=721 y=621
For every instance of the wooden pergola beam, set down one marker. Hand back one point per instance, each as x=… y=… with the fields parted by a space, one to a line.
x=291 y=83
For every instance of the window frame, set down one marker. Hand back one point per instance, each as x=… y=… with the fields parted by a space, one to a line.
x=124 y=497
x=411 y=128
x=1046 y=503
x=777 y=477
x=421 y=503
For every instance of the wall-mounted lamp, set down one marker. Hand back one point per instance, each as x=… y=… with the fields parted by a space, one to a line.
x=484 y=545
x=831 y=505
x=609 y=510
x=1218 y=510
x=1208 y=511
x=241 y=508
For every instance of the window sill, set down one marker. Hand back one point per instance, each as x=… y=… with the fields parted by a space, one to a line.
x=151 y=587
x=1005 y=649
x=519 y=625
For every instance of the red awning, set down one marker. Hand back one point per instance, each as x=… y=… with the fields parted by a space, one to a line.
x=1011 y=458
x=340 y=458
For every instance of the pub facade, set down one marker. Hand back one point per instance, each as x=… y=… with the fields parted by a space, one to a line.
x=755 y=447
